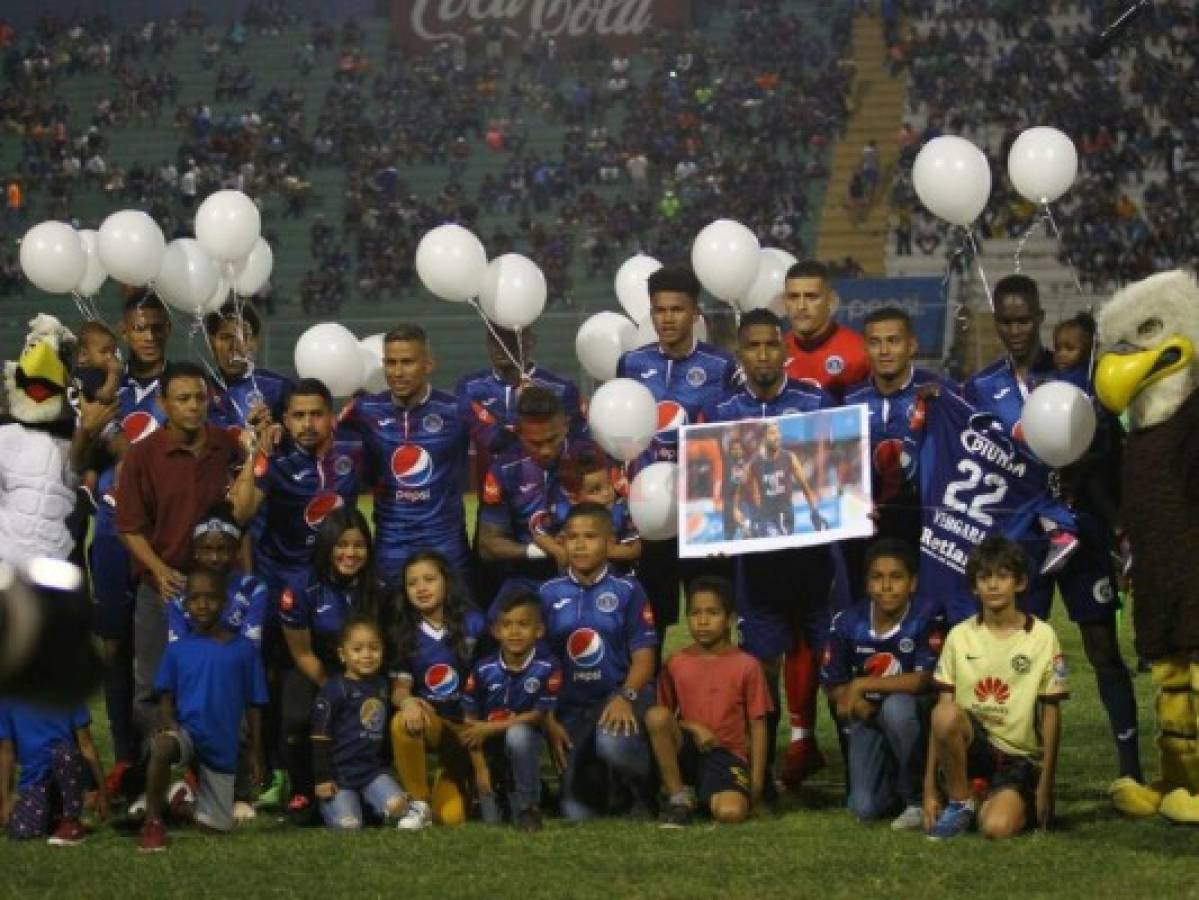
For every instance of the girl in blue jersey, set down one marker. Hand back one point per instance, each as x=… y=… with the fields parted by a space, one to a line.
x=342 y=583
x=436 y=638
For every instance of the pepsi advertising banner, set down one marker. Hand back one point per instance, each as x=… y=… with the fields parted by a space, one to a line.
x=922 y=298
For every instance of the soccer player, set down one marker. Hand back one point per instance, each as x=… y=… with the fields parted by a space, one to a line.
x=877 y=664
x=819 y=349
x=1086 y=579
x=782 y=595
x=207 y=682
x=711 y=696
x=601 y=627
x=416 y=443
x=774 y=475
x=1001 y=676
x=684 y=375
x=248 y=393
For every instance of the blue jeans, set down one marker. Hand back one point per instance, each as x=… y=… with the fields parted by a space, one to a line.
x=344 y=811
x=886 y=758
x=518 y=756
x=599 y=758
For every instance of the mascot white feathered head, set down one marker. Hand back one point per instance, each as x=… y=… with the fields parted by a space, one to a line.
x=1148 y=334
x=36 y=384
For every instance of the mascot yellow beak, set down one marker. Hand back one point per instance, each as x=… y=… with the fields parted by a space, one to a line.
x=41 y=373
x=1121 y=375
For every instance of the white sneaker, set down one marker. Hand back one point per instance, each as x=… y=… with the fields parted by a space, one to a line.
x=137 y=809
x=243 y=811
x=910 y=819
x=419 y=816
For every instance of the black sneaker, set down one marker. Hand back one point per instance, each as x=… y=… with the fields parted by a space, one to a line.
x=528 y=820
x=676 y=815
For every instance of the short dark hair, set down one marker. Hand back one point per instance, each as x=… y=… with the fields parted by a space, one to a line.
x=359 y=620
x=515 y=599
x=538 y=402
x=221 y=580
x=577 y=466
x=408 y=332
x=589 y=510
x=676 y=279
x=891 y=548
x=1083 y=321
x=888 y=314
x=94 y=328
x=310 y=387
x=246 y=312
x=1018 y=286
x=996 y=554
x=807 y=268
x=758 y=317
x=717 y=585
x=143 y=298
x=176 y=370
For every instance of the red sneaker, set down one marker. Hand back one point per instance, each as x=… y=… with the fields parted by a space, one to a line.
x=298 y=803
x=153 y=837
x=802 y=759
x=113 y=782
x=69 y=833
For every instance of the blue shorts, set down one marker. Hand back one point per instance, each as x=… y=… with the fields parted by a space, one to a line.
x=780 y=596
x=1087 y=582
x=113 y=585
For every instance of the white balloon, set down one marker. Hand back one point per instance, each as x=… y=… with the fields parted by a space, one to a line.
x=227 y=225
x=632 y=285
x=188 y=277
x=329 y=351
x=513 y=291
x=131 y=247
x=623 y=417
x=1058 y=423
x=647 y=334
x=725 y=257
x=373 y=380
x=769 y=284
x=218 y=299
x=451 y=263
x=252 y=271
x=952 y=179
x=52 y=257
x=600 y=342
x=1042 y=164
x=654 y=501
x=93 y=273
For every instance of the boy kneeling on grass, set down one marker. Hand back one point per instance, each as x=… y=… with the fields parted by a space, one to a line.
x=1001 y=677
x=711 y=695
x=878 y=669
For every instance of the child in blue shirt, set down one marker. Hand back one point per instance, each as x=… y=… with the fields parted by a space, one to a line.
x=349 y=734
x=207 y=682
x=55 y=752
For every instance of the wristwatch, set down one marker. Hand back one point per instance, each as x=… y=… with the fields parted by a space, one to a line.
x=628 y=693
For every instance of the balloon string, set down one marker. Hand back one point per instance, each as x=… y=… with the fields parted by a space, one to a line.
x=1066 y=253
x=197 y=328
x=519 y=363
x=982 y=273
x=961 y=319
x=1039 y=220
x=241 y=354
x=81 y=305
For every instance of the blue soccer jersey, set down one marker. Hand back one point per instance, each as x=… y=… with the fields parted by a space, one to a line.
x=681 y=387
x=35 y=731
x=322 y=609
x=554 y=520
x=740 y=404
x=855 y=650
x=138 y=415
x=495 y=692
x=594 y=629
x=244 y=612
x=435 y=670
x=997 y=389
x=416 y=460
x=352 y=715
x=229 y=407
x=212 y=683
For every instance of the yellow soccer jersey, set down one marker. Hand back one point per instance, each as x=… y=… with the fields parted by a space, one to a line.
x=1000 y=680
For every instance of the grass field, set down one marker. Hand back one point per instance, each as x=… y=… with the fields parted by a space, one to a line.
x=810 y=846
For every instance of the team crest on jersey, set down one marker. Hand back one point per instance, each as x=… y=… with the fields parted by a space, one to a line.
x=607 y=602
x=433 y=423
x=1103 y=592
x=342 y=465
x=834 y=365
x=696 y=376
x=906 y=645
x=371 y=715
x=532 y=685
x=1021 y=663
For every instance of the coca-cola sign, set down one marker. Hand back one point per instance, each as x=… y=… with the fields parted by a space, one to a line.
x=619 y=24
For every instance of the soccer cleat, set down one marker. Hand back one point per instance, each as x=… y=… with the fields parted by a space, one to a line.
x=909 y=820
x=180 y=798
x=955 y=820
x=1062 y=545
x=676 y=815
x=419 y=816
x=69 y=833
x=528 y=820
x=275 y=793
x=243 y=812
x=137 y=809
x=153 y=837
x=802 y=759
x=114 y=780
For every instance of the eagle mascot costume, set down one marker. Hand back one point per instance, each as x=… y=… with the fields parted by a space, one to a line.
x=1148 y=334
x=37 y=483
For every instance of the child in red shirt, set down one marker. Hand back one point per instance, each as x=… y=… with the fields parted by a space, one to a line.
x=711 y=695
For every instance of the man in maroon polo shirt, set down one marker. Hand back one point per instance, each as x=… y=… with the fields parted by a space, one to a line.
x=167 y=482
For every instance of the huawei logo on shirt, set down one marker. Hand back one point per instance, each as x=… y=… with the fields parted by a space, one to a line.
x=992 y=689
